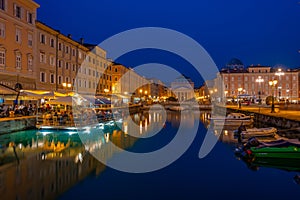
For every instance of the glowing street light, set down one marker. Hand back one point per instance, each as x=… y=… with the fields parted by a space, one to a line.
x=239 y=101
x=279 y=73
x=259 y=80
x=273 y=84
x=66 y=86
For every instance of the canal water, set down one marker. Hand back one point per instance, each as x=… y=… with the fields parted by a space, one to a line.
x=55 y=164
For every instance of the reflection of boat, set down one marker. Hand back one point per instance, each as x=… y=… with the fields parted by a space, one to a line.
x=246 y=133
x=233 y=119
x=279 y=163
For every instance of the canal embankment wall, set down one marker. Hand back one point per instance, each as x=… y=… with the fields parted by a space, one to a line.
x=17 y=124
x=280 y=119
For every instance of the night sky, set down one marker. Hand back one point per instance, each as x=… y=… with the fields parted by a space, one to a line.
x=257 y=32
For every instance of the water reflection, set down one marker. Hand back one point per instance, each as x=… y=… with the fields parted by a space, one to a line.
x=43 y=164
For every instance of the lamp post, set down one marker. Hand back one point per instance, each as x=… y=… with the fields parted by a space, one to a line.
x=239 y=101
x=259 y=80
x=279 y=73
x=273 y=84
x=66 y=86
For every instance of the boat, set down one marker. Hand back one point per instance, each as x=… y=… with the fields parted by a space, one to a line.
x=233 y=119
x=280 y=149
x=177 y=108
x=246 y=133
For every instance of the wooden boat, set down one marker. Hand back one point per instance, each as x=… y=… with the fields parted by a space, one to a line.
x=233 y=119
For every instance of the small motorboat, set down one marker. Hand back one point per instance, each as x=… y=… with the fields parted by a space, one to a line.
x=246 y=133
x=282 y=148
x=233 y=119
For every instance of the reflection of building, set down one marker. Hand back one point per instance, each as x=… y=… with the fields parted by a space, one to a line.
x=235 y=79
x=17 y=43
x=183 y=88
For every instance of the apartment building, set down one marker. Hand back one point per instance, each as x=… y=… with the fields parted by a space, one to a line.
x=66 y=65
x=254 y=81
x=17 y=43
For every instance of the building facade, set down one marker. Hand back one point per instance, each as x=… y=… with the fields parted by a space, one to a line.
x=183 y=88
x=253 y=82
x=17 y=43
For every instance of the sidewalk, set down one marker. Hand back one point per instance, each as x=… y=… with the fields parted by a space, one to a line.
x=280 y=112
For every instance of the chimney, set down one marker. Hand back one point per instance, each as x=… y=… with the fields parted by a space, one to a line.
x=81 y=41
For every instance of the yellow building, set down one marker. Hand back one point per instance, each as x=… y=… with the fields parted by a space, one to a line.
x=66 y=65
x=17 y=43
x=127 y=83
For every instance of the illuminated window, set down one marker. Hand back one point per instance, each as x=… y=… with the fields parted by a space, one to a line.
x=2 y=58
x=18 y=61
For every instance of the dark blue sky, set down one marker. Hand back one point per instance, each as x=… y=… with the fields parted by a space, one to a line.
x=265 y=32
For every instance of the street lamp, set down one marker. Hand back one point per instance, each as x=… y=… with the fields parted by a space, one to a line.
x=239 y=101
x=66 y=86
x=273 y=84
x=279 y=73
x=259 y=80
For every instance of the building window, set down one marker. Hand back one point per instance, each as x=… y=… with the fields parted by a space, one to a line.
x=29 y=18
x=73 y=52
x=66 y=49
x=43 y=77
x=116 y=79
x=29 y=63
x=2 y=30
x=67 y=65
x=18 y=61
x=18 y=35
x=67 y=79
x=17 y=11
x=52 y=43
x=60 y=63
x=42 y=57
x=42 y=38
x=2 y=58
x=116 y=69
x=52 y=78
x=59 y=80
x=3 y=4
x=79 y=55
x=52 y=60
x=30 y=39
x=59 y=46
x=73 y=67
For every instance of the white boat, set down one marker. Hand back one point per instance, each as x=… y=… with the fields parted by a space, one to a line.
x=177 y=108
x=233 y=119
x=256 y=132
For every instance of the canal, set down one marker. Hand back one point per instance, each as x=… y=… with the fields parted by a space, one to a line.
x=55 y=164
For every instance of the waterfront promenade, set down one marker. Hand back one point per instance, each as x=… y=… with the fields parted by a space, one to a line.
x=292 y=112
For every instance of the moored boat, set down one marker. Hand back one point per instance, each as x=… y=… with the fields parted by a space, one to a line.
x=233 y=119
x=246 y=133
x=283 y=149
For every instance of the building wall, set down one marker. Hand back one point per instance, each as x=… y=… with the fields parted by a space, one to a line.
x=17 y=43
x=287 y=85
